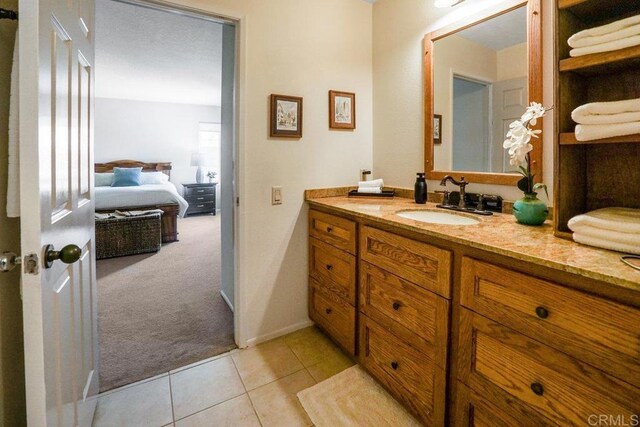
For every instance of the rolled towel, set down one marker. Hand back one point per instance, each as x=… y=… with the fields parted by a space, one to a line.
x=606 y=244
x=370 y=190
x=574 y=40
x=606 y=47
x=376 y=183
x=591 y=132
x=622 y=220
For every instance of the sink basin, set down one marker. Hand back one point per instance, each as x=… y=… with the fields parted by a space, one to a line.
x=438 y=217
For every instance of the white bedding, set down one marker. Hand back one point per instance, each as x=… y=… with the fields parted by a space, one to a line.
x=143 y=195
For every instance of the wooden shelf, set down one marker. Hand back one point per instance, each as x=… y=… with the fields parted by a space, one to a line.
x=593 y=11
x=605 y=62
x=569 y=138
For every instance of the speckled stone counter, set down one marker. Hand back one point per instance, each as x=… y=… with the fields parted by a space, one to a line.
x=498 y=234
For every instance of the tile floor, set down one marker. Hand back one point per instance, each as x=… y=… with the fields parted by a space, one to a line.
x=251 y=387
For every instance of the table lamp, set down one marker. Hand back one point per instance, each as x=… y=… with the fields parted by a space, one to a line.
x=199 y=160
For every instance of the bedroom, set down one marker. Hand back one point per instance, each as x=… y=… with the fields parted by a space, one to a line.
x=157 y=192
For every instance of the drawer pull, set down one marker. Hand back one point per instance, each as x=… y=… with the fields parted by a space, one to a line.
x=199 y=191
x=329 y=230
x=328 y=310
x=396 y=306
x=200 y=206
x=542 y=312
x=329 y=267
x=200 y=198
x=394 y=365
x=537 y=389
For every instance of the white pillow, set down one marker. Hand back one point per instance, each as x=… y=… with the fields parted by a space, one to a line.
x=104 y=179
x=153 y=178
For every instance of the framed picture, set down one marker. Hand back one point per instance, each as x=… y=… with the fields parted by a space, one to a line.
x=437 y=129
x=286 y=116
x=342 y=110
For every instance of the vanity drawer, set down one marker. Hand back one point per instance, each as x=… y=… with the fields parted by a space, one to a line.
x=334 y=315
x=404 y=369
x=392 y=301
x=334 y=230
x=497 y=409
x=603 y=333
x=493 y=357
x=333 y=268
x=420 y=263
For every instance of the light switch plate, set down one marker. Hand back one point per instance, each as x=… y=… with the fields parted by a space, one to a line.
x=276 y=195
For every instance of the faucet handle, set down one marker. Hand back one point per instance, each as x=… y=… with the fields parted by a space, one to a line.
x=445 y=196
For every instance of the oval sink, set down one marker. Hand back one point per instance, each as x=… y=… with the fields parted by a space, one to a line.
x=438 y=217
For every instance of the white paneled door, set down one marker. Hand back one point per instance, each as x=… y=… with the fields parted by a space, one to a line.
x=56 y=165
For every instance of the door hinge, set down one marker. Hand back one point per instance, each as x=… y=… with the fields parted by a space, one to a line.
x=237 y=201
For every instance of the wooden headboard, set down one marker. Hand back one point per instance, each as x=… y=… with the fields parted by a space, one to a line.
x=164 y=167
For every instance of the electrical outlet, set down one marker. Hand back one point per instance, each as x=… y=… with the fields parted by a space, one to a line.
x=276 y=195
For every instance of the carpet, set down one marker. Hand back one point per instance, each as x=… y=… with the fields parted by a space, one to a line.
x=353 y=398
x=161 y=311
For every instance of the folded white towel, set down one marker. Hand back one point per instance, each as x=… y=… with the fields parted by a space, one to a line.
x=622 y=220
x=605 y=119
x=370 y=190
x=596 y=113
x=13 y=178
x=633 y=30
x=606 y=47
x=376 y=183
x=607 y=244
x=591 y=132
x=603 y=30
x=632 y=239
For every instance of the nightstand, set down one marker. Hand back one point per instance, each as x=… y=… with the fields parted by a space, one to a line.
x=201 y=198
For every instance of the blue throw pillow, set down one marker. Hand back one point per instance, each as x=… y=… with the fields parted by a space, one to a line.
x=126 y=177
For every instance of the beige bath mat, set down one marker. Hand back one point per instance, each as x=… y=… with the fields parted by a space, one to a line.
x=353 y=398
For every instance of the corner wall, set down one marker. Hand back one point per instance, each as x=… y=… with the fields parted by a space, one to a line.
x=398 y=145
x=12 y=398
x=301 y=48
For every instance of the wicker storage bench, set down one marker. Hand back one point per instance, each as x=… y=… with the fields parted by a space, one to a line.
x=128 y=235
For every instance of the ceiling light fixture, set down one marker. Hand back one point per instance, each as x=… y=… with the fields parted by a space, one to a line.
x=447 y=3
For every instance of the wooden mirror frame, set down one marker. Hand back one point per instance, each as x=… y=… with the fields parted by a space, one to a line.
x=534 y=53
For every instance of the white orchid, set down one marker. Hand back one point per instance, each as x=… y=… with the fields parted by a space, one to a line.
x=518 y=144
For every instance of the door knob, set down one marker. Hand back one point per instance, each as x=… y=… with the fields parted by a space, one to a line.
x=9 y=261
x=69 y=254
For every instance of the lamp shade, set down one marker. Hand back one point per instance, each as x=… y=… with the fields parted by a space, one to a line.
x=198 y=159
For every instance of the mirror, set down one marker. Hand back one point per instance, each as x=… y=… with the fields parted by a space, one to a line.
x=480 y=76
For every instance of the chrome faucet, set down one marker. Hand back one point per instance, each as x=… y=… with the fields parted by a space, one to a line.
x=462 y=184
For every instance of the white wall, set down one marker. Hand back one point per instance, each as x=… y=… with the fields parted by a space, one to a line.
x=151 y=132
x=398 y=30
x=303 y=48
x=512 y=62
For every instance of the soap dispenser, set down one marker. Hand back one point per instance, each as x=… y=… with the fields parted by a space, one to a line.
x=420 y=189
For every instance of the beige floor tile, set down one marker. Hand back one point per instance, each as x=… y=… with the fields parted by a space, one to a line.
x=333 y=364
x=204 y=386
x=146 y=404
x=265 y=363
x=277 y=404
x=237 y=412
x=311 y=346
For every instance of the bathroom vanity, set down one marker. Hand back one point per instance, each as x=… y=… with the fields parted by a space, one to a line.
x=493 y=323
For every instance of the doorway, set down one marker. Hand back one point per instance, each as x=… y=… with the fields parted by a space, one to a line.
x=164 y=103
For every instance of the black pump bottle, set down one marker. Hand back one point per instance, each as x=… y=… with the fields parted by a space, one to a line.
x=420 y=189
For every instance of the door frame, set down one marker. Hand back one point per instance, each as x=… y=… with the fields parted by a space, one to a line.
x=240 y=242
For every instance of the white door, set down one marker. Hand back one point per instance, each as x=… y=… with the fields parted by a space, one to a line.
x=509 y=103
x=56 y=157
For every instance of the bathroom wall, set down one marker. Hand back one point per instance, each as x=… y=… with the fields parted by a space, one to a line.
x=12 y=399
x=398 y=30
x=300 y=48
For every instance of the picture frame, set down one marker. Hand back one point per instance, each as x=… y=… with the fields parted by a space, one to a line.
x=285 y=116
x=437 y=128
x=342 y=110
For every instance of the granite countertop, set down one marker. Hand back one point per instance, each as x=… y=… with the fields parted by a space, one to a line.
x=498 y=233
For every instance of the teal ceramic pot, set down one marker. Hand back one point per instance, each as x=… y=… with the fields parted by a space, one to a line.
x=530 y=210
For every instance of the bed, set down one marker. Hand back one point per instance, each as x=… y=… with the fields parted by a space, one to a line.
x=162 y=196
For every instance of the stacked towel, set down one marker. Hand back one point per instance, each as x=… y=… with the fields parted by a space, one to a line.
x=371 y=187
x=615 y=229
x=617 y=35
x=607 y=119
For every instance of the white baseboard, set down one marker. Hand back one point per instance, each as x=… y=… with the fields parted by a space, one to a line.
x=280 y=332
x=226 y=299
